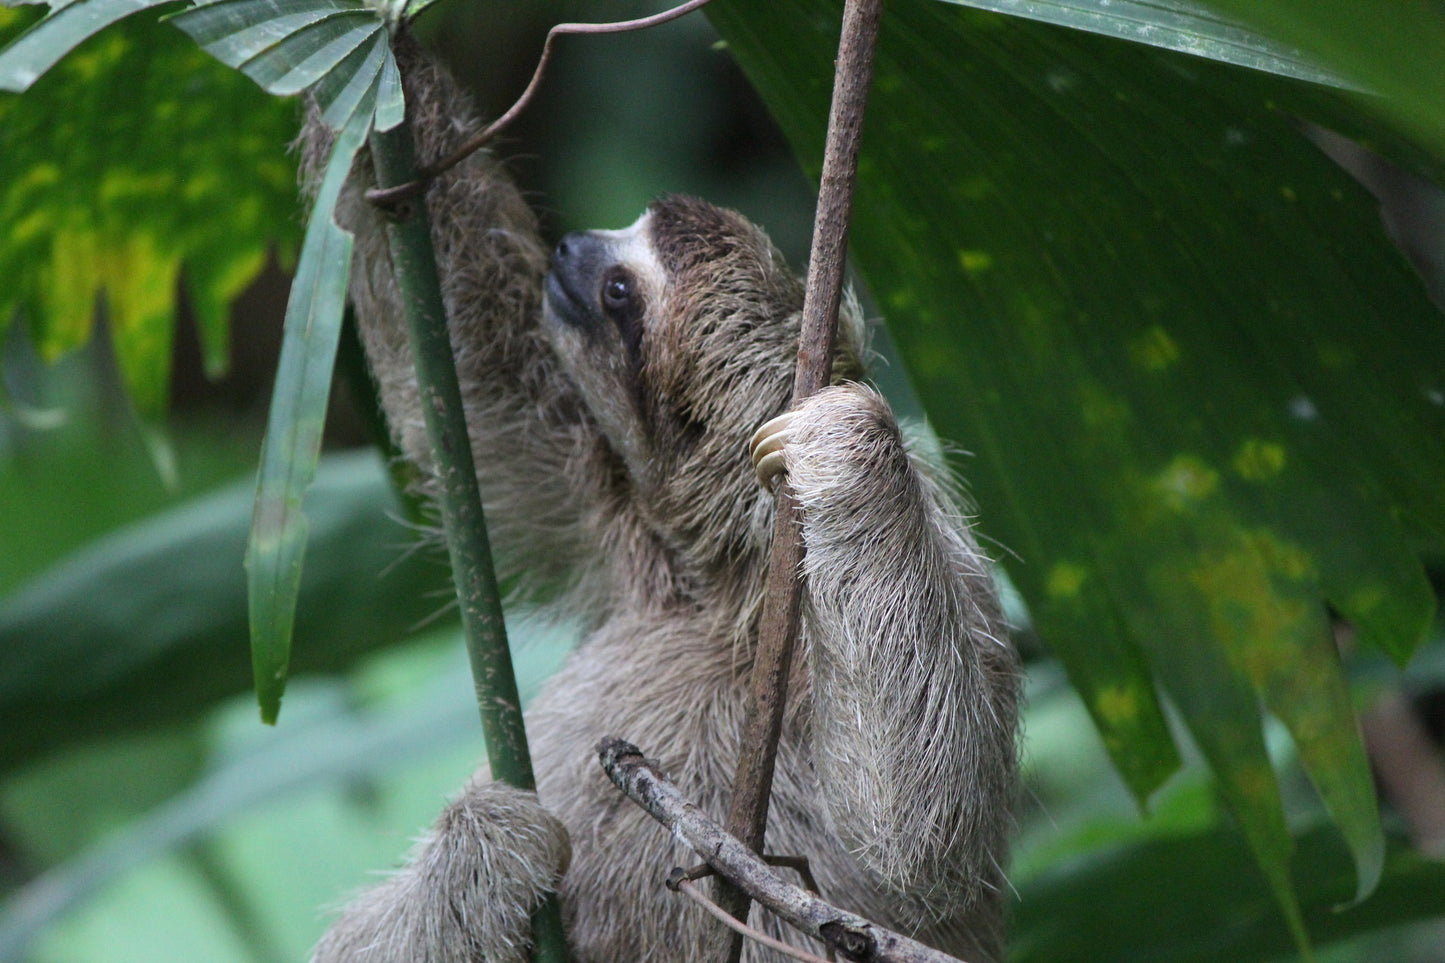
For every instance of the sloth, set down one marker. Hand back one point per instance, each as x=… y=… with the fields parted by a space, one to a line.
x=611 y=387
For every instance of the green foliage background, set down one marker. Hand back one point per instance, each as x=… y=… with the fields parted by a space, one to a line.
x=1195 y=377
x=134 y=160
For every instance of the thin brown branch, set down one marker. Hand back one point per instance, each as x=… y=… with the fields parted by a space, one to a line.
x=430 y=171
x=854 y=937
x=696 y=895
x=778 y=628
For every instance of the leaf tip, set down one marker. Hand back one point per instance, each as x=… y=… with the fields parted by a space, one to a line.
x=269 y=691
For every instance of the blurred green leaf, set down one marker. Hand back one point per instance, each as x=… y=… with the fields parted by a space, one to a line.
x=1181 y=25
x=65 y=486
x=149 y=625
x=115 y=197
x=328 y=743
x=1193 y=899
x=1201 y=386
x=67 y=27
x=335 y=746
x=98 y=786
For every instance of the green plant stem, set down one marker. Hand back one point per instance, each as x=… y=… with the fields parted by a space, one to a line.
x=394 y=155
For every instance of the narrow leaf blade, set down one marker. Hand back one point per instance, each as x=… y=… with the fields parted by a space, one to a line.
x=304 y=57
x=390 y=99
x=234 y=31
x=289 y=455
x=353 y=82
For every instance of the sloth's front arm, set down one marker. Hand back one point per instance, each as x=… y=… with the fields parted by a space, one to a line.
x=538 y=454
x=914 y=684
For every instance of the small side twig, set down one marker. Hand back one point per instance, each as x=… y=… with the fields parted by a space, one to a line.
x=799 y=865
x=678 y=880
x=854 y=937
x=394 y=195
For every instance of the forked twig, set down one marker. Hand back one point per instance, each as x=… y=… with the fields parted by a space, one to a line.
x=854 y=937
x=428 y=172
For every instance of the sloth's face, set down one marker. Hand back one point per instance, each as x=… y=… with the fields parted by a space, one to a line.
x=679 y=331
x=597 y=298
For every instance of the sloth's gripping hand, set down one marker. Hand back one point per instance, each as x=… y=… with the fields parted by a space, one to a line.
x=914 y=688
x=468 y=890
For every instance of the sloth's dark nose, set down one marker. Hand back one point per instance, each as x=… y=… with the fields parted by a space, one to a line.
x=570 y=245
x=578 y=248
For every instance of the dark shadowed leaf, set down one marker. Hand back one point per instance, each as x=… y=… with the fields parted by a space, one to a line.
x=1193 y=899
x=1202 y=390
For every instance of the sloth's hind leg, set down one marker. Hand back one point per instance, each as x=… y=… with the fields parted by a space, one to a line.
x=468 y=891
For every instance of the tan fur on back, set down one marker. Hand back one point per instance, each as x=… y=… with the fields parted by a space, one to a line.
x=626 y=478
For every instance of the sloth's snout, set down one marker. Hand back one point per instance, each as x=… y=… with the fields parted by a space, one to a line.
x=578 y=261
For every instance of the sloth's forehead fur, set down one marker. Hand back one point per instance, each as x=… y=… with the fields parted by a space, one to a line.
x=688 y=232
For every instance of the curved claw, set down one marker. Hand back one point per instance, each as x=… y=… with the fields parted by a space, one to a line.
x=767 y=449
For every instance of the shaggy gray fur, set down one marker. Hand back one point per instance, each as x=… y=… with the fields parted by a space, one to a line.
x=625 y=477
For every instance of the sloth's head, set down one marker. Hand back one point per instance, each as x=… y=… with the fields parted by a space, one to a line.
x=680 y=333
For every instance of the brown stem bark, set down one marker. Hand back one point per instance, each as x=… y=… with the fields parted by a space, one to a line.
x=778 y=628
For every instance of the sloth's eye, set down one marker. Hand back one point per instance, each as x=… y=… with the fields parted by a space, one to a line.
x=618 y=291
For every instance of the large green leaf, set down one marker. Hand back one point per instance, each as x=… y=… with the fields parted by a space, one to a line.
x=1390 y=49
x=148 y=625
x=1182 y=25
x=1201 y=388
x=135 y=163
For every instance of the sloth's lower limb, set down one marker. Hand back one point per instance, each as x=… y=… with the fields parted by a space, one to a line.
x=467 y=892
